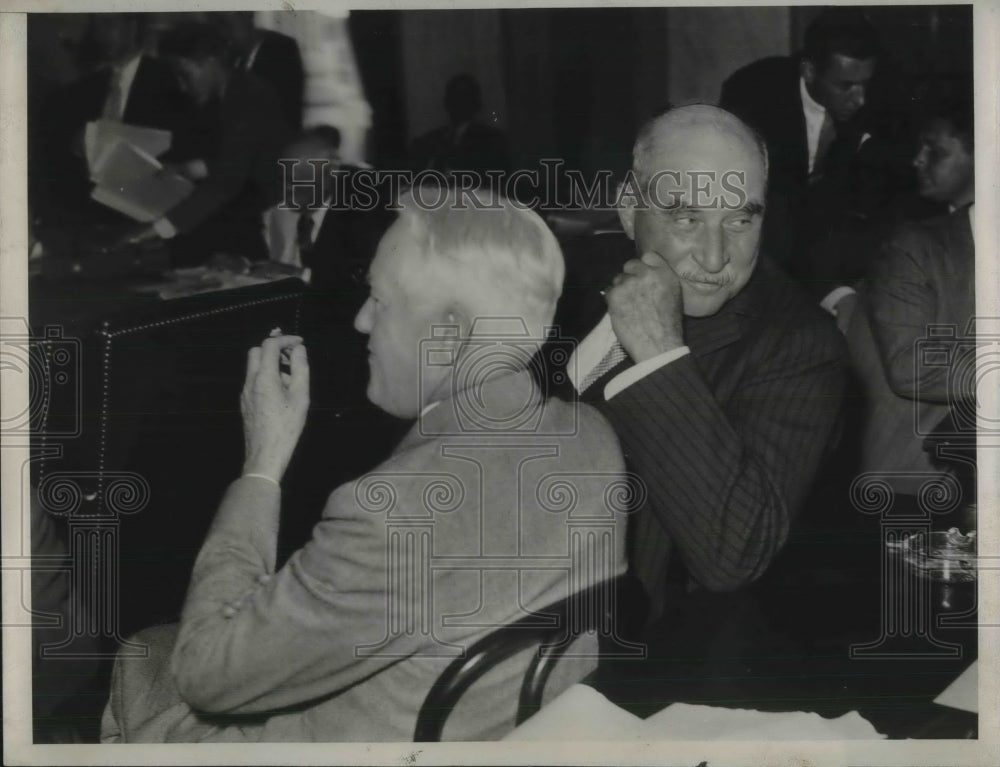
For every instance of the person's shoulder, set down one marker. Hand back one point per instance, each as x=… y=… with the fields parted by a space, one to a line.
x=249 y=90
x=931 y=236
x=794 y=318
x=584 y=434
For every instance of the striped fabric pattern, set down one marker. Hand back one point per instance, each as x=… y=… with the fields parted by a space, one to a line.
x=729 y=438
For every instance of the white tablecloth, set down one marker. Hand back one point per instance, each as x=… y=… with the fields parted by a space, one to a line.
x=582 y=713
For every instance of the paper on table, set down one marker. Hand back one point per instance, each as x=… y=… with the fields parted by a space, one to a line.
x=100 y=136
x=582 y=713
x=147 y=198
x=683 y=721
x=963 y=693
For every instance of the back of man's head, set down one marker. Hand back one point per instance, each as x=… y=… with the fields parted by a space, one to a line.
x=316 y=142
x=193 y=40
x=494 y=259
x=844 y=31
x=952 y=104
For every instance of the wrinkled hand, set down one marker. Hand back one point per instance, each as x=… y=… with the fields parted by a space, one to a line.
x=274 y=404
x=646 y=307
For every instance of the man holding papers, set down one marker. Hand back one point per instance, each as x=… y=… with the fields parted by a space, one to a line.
x=130 y=87
x=242 y=133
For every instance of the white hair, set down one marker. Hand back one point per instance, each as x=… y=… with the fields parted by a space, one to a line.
x=489 y=256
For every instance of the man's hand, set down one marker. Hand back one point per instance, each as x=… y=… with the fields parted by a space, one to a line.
x=194 y=170
x=646 y=307
x=274 y=404
x=138 y=235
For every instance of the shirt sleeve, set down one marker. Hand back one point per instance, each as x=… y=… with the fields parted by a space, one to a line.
x=639 y=371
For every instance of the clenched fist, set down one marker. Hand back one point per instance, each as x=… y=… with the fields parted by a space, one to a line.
x=645 y=306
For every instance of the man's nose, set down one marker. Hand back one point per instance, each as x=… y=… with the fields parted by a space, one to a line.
x=363 y=320
x=711 y=253
x=859 y=96
x=920 y=158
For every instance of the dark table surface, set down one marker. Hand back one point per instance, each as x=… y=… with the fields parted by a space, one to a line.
x=824 y=631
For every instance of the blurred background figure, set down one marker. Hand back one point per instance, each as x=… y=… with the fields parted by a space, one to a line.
x=294 y=226
x=924 y=276
x=812 y=110
x=465 y=144
x=121 y=82
x=270 y=56
x=241 y=133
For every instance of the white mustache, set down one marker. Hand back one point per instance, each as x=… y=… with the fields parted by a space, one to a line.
x=720 y=282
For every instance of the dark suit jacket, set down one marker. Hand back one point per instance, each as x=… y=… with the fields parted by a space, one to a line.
x=811 y=230
x=480 y=148
x=279 y=63
x=62 y=182
x=729 y=438
x=925 y=276
x=243 y=140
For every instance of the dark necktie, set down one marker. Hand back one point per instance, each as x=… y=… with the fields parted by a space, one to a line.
x=304 y=236
x=827 y=135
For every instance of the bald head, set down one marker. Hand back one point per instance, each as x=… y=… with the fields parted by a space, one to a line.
x=673 y=132
x=698 y=201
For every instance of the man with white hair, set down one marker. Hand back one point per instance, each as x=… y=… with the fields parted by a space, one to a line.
x=463 y=529
x=722 y=380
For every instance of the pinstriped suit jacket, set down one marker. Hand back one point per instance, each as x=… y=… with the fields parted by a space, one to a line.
x=729 y=438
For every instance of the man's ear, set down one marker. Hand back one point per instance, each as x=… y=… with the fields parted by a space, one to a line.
x=807 y=70
x=459 y=324
x=626 y=210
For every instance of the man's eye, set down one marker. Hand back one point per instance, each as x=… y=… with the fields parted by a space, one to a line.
x=684 y=222
x=740 y=223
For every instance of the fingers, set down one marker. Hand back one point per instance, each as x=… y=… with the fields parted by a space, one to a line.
x=270 y=352
x=634 y=266
x=298 y=386
x=653 y=259
x=253 y=363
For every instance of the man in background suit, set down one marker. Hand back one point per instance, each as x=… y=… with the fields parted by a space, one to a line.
x=241 y=137
x=465 y=144
x=811 y=111
x=130 y=86
x=325 y=222
x=721 y=379
x=925 y=276
x=270 y=56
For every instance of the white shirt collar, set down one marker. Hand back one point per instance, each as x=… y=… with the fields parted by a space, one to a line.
x=252 y=56
x=809 y=104
x=125 y=76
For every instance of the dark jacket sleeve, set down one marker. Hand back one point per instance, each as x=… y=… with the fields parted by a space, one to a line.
x=723 y=480
x=252 y=136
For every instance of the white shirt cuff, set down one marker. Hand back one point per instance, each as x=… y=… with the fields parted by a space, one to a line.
x=164 y=228
x=833 y=298
x=640 y=370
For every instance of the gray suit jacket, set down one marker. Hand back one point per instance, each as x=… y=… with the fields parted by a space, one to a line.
x=461 y=530
x=926 y=276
